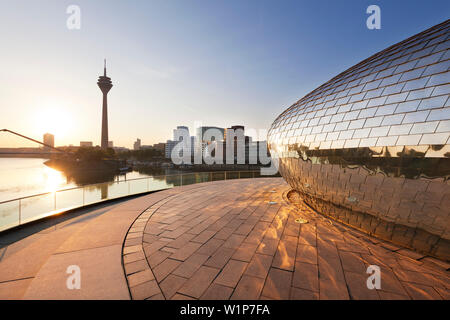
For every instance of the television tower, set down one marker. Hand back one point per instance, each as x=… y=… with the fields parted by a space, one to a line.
x=105 y=84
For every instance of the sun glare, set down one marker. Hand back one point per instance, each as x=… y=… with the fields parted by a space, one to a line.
x=53 y=119
x=53 y=179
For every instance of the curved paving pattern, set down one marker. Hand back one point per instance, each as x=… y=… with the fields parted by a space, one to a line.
x=239 y=239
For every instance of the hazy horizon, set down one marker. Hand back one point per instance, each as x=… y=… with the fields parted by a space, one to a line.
x=221 y=63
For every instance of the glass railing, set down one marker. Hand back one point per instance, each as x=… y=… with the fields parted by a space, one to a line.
x=19 y=211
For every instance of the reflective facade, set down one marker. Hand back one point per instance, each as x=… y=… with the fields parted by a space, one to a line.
x=371 y=146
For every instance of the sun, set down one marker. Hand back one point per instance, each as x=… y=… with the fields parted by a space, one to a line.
x=54 y=119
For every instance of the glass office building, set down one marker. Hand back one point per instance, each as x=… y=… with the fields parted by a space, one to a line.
x=370 y=147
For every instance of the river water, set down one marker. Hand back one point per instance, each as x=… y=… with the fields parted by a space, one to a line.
x=21 y=177
x=49 y=191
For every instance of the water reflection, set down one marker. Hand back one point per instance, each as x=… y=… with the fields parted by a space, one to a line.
x=22 y=177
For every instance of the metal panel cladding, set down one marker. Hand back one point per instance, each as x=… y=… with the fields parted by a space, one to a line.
x=371 y=147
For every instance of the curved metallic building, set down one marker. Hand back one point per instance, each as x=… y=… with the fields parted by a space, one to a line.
x=371 y=147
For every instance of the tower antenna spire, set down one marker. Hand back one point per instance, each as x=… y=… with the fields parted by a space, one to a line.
x=104 y=67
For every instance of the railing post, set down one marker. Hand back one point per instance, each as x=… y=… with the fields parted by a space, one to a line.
x=181 y=179
x=210 y=178
x=20 y=212
x=239 y=174
x=225 y=175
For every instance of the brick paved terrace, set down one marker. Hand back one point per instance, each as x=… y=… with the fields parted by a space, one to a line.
x=241 y=240
x=234 y=239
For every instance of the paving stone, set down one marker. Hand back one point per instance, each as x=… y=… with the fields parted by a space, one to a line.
x=140 y=277
x=306 y=276
x=186 y=251
x=410 y=254
x=190 y=265
x=278 y=284
x=244 y=229
x=157 y=257
x=307 y=235
x=285 y=254
x=168 y=249
x=302 y=294
x=153 y=247
x=204 y=236
x=131 y=257
x=181 y=297
x=417 y=277
x=352 y=262
x=157 y=296
x=421 y=292
x=220 y=257
x=217 y=292
x=245 y=251
x=444 y=293
x=385 y=295
x=306 y=253
x=231 y=273
x=331 y=269
x=357 y=286
x=268 y=246
x=132 y=242
x=248 y=288
x=199 y=282
x=327 y=250
x=144 y=290
x=171 y=284
x=135 y=266
x=224 y=233
x=259 y=266
x=210 y=247
x=175 y=233
x=234 y=241
x=330 y=289
x=181 y=241
x=165 y=268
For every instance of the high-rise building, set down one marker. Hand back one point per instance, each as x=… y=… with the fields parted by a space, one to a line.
x=110 y=144
x=159 y=146
x=49 y=141
x=178 y=133
x=204 y=141
x=86 y=144
x=105 y=84
x=137 y=144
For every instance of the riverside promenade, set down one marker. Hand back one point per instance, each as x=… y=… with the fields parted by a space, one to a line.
x=233 y=239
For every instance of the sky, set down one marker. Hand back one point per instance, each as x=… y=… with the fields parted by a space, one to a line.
x=180 y=62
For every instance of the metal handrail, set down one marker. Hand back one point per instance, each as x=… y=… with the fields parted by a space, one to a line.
x=37 y=216
x=101 y=183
